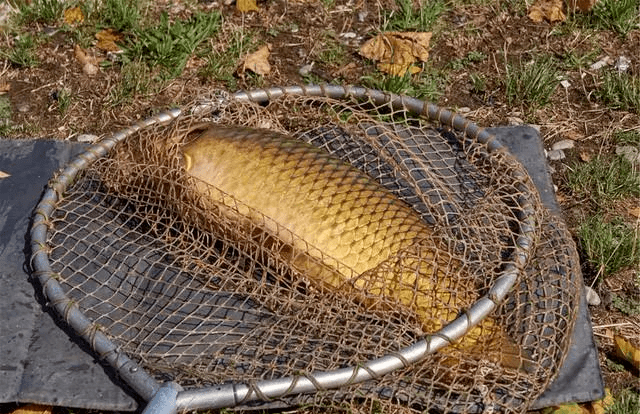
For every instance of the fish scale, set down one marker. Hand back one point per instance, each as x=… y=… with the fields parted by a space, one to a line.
x=320 y=199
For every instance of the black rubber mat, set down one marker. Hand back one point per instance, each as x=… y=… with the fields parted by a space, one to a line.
x=41 y=361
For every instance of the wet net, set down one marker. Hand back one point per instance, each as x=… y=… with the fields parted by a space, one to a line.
x=245 y=241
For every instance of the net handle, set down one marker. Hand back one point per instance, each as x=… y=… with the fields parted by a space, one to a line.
x=235 y=394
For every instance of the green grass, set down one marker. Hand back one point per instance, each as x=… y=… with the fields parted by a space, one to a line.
x=604 y=180
x=573 y=60
x=478 y=82
x=121 y=15
x=170 y=44
x=40 y=11
x=620 y=91
x=472 y=57
x=626 y=402
x=328 y=4
x=627 y=138
x=5 y=116
x=23 y=53
x=409 y=18
x=532 y=84
x=135 y=79
x=620 y=16
x=609 y=246
x=628 y=306
x=331 y=52
x=221 y=66
x=64 y=100
x=428 y=84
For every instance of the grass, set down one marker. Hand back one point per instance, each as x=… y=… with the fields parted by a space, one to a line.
x=428 y=84
x=626 y=402
x=627 y=138
x=572 y=60
x=620 y=91
x=478 y=82
x=620 y=16
x=332 y=52
x=63 y=97
x=135 y=79
x=409 y=18
x=40 y=11
x=472 y=57
x=121 y=15
x=23 y=52
x=627 y=306
x=609 y=246
x=5 y=115
x=604 y=180
x=170 y=44
x=532 y=84
x=222 y=65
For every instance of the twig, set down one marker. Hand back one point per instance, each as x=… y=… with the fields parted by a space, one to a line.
x=611 y=325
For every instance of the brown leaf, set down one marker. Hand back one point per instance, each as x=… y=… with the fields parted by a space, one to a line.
x=635 y=212
x=33 y=409
x=107 y=39
x=73 y=15
x=244 y=6
x=83 y=57
x=550 y=10
x=89 y=63
x=582 y=5
x=396 y=52
x=257 y=62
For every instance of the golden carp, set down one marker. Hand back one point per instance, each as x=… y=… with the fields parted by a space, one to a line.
x=353 y=231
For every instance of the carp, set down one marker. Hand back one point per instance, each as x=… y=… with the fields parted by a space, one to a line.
x=355 y=236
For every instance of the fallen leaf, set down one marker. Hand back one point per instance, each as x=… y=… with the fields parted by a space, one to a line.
x=602 y=406
x=625 y=349
x=396 y=52
x=73 y=15
x=257 y=62
x=33 y=409
x=550 y=10
x=244 y=6
x=83 y=57
x=107 y=39
x=582 y=5
x=635 y=212
x=89 y=63
x=4 y=87
x=4 y=174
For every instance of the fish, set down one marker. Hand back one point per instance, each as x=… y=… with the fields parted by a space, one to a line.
x=344 y=231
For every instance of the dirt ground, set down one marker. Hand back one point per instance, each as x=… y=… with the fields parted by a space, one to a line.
x=499 y=30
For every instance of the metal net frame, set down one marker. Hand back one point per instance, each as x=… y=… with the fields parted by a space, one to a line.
x=192 y=313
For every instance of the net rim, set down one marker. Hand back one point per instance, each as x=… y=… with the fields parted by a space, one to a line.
x=230 y=395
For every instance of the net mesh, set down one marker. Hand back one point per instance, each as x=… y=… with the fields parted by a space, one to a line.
x=317 y=257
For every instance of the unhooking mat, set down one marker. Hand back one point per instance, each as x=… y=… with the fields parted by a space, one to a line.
x=41 y=361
